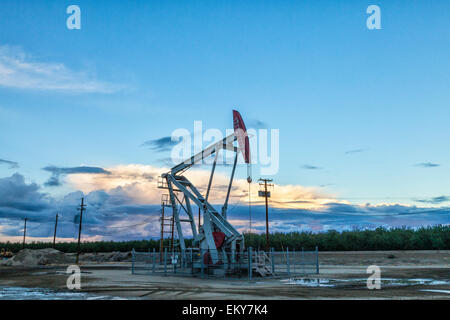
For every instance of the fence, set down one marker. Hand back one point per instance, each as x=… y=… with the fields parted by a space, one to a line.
x=221 y=264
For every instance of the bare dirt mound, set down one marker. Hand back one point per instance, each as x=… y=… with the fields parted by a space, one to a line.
x=28 y=257
x=106 y=257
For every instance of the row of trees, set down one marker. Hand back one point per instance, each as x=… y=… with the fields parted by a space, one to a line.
x=427 y=238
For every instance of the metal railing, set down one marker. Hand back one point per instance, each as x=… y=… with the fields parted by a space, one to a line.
x=221 y=264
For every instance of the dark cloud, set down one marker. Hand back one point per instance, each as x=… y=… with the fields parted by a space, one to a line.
x=162 y=144
x=293 y=202
x=20 y=200
x=11 y=164
x=427 y=165
x=105 y=211
x=54 y=181
x=435 y=200
x=256 y=124
x=355 y=151
x=310 y=167
x=326 y=185
x=75 y=170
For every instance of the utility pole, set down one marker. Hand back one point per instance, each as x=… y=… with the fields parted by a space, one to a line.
x=54 y=234
x=82 y=208
x=266 y=194
x=24 y=233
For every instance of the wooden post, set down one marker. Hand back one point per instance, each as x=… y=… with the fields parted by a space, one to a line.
x=24 y=233
x=54 y=234
x=266 y=195
x=82 y=207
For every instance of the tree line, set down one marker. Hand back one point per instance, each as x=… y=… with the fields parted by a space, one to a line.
x=425 y=238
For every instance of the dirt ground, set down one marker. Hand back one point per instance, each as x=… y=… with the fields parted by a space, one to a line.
x=343 y=275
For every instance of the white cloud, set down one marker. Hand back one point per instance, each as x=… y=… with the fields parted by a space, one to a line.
x=139 y=182
x=19 y=71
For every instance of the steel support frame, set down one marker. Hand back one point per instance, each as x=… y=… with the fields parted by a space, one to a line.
x=212 y=220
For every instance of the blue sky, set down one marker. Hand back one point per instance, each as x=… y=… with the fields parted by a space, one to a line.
x=362 y=113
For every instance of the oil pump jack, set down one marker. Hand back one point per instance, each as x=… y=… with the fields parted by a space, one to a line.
x=216 y=236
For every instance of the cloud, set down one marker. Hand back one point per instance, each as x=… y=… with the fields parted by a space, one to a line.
x=162 y=144
x=326 y=185
x=137 y=182
x=133 y=181
x=256 y=124
x=19 y=199
x=19 y=71
x=355 y=151
x=339 y=217
x=435 y=200
x=107 y=213
x=54 y=181
x=292 y=207
x=427 y=165
x=11 y=164
x=310 y=167
x=124 y=204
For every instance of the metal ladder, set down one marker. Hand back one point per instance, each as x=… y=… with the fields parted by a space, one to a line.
x=167 y=227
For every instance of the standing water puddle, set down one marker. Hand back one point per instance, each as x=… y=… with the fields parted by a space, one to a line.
x=311 y=282
x=437 y=291
x=19 y=293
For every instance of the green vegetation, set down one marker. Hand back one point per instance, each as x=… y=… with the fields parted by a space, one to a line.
x=97 y=246
x=426 y=238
